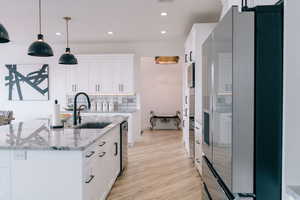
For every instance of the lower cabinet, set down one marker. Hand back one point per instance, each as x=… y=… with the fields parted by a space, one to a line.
x=101 y=166
x=62 y=175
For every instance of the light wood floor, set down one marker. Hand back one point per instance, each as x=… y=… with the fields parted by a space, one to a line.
x=158 y=170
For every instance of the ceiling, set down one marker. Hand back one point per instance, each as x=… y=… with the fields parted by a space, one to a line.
x=129 y=20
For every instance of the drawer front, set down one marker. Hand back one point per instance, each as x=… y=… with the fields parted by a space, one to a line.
x=95 y=150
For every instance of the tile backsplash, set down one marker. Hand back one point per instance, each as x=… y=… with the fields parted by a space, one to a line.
x=120 y=102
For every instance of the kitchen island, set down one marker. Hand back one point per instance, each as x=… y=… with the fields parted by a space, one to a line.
x=39 y=163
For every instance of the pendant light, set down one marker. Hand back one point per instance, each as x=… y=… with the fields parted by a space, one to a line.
x=68 y=58
x=4 y=37
x=40 y=48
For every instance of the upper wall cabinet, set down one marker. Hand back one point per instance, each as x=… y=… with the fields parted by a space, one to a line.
x=101 y=74
x=76 y=78
x=190 y=47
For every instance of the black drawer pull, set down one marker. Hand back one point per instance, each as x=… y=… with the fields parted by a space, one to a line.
x=102 y=154
x=90 y=154
x=116 y=145
x=103 y=143
x=90 y=179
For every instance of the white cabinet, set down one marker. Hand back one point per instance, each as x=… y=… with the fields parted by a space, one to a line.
x=101 y=166
x=95 y=74
x=124 y=75
x=109 y=74
x=101 y=77
x=76 y=77
x=61 y=175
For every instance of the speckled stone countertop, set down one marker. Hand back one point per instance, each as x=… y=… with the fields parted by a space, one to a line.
x=37 y=134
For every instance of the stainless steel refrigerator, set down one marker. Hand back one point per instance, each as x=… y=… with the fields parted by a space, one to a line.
x=242 y=106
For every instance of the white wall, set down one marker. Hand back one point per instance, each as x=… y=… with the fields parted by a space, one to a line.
x=291 y=93
x=160 y=89
x=17 y=53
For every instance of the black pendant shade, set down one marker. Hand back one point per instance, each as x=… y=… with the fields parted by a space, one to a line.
x=4 y=37
x=68 y=58
x=40 y=48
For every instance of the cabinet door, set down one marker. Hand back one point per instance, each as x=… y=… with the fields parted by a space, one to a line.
x=76 y=78
x=82 y=77
x=126 y=75
x=4 y=183
x=95 y=84
x=107 y=74
x=70 y=79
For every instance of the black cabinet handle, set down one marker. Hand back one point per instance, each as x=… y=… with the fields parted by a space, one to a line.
x=245 y=195
x=116 y=152
x=185 y=58
x=90 y=154
x=191 y=53
x=90 y=179
x=101 y=155
x=103 y=143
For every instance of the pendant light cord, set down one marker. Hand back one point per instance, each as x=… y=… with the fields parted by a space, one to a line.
x=40 y=16
x=67 y=22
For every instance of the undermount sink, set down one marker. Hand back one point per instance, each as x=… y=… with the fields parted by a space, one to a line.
x=93 y=125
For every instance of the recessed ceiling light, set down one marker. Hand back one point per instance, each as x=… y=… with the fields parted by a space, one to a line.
x=110 y=33
x=163 y=14
x=163 y=32
x=58 y=33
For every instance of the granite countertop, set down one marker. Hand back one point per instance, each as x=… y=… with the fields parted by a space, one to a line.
x=37 y=134
x=293 y=192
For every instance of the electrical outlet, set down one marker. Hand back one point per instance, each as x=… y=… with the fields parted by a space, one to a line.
x=20 y=155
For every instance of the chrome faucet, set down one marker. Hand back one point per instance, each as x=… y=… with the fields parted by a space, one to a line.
x=75 y=106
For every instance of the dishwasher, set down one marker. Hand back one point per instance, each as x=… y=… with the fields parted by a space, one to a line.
x=124 y=146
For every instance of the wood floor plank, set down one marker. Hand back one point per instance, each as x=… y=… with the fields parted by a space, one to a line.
x=158 y=169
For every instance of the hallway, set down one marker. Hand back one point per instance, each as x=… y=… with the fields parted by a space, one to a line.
x=158 y=170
